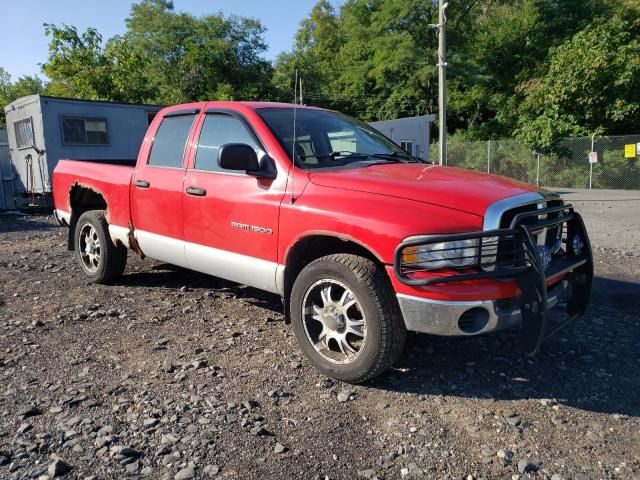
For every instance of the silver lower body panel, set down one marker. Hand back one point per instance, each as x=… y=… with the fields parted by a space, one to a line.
x=438 y=317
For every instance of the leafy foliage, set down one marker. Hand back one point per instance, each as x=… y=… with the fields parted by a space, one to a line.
x=197 y=58
x=10 y=91
x=539 y=70
x=591 y=84
x=81 y=66
x=164 y=57
x=506 y=60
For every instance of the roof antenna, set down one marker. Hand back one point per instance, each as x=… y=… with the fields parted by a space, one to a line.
x=293 y=143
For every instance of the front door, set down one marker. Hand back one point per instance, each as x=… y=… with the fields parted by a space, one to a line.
x=230 y=217
x=156 y=197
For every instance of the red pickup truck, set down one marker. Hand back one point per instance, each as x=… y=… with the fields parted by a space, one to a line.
x=362 y=241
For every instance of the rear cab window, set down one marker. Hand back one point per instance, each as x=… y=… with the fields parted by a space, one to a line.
x=170 y=142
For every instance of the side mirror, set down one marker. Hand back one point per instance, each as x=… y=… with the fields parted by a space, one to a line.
x=238 y=156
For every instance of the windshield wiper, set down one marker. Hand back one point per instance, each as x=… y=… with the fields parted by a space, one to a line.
x=335 y=155
x=396 y=157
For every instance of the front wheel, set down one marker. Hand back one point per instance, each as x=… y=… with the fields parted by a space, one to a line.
x=346 y=318
x=96 y=253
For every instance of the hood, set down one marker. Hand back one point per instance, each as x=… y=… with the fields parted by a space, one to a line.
x=457 y=188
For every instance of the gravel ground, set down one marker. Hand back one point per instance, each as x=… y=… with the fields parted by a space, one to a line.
x=171 y=374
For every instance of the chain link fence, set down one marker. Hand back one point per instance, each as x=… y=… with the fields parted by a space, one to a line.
x=617 y=166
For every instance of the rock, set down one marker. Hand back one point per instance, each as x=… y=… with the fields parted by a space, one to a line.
x=526 y=465
x=150 y=422
x=185 y=474
x=250 y=404
x=558 y=476
x=25 y=427
x=505 y=456
x=169 y=439
x=279 y=448
x=345 y=395
x=259 y=430
x=104 y=441
x=29 y=411
x=146 y=471
x=368 y=473
x=126 y=451
x=170 y=459
x=58 y=468
x=414 y=470
x=106 y=430
x=132 y=467
x=513 y=421
x=167 y=365
x=211 y=470
x=328 y=383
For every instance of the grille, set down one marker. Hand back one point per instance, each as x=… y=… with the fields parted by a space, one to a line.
x=501 y=253
x=501 y=250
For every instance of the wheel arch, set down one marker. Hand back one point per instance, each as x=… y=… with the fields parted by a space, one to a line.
x=312 y=246
x=81 y=199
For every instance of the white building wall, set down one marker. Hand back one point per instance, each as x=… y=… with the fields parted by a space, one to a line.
x=411 y=131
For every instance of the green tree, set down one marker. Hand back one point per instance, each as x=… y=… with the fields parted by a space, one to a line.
x=81 y=66
x=373 y=59
x=377 y=58
x=163 y=57
x=10 y=91
x=590 y=84
x=198 y=58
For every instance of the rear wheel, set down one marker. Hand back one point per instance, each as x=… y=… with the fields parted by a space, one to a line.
x=345 y=317
x=97 y=255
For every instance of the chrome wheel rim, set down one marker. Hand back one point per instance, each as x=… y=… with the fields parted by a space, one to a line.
x=89 y=247
x=334 y=321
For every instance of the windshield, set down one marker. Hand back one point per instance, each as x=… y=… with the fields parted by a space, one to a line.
x=330 y=139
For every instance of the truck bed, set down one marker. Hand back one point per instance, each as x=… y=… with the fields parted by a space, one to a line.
x=111 y=179
x=125 y=162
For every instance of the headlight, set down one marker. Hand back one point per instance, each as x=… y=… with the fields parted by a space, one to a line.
x=433 y=256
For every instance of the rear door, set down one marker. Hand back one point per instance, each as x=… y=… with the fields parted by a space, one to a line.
x=230 y=217
x=157 y=188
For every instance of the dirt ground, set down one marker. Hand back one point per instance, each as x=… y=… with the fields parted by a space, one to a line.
x=171 y=374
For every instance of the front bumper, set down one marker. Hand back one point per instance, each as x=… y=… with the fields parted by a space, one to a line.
x=512 y=255
x=438 y=317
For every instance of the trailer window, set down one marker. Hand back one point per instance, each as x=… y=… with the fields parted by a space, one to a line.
x=24 y=133
x=84 y=131
x=407 y=146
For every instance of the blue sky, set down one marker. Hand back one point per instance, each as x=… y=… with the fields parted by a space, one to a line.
x=23 y=44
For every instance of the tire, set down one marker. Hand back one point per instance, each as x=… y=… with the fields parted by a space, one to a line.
x=318 y=301
x=103 y=260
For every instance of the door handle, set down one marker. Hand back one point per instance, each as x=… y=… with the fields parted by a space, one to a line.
x=142 y=184
x=196 y=191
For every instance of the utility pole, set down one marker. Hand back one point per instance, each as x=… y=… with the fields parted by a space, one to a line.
x=301 y=100
x=442 y=78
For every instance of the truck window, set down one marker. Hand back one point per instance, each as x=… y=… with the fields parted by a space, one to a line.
x=217 y=130
x=170 y=141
